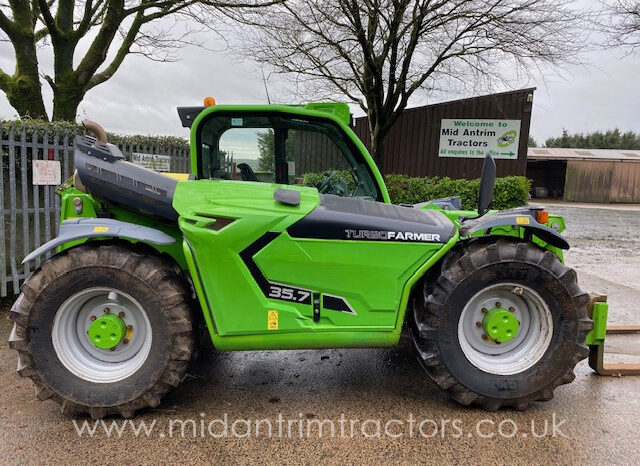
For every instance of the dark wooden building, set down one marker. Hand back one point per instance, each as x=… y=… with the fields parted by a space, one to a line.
x=412 y=145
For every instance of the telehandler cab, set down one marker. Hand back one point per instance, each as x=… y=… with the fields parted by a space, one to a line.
x=109 y=324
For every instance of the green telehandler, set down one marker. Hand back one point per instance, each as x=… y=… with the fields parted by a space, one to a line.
x=147 y=265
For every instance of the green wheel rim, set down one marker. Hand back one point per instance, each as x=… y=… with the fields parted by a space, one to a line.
x=107 y=331
x=500 y=324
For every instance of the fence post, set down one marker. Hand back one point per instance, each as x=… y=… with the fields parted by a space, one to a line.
x=36 y=198
x=24 y=166
x=47 y=204
x=66 y=170
x=56 y=199
x=3 y=251
x=12 y=206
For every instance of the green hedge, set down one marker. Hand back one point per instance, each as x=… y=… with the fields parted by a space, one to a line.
x=69 y=128
x=510 y=191
x=313 y=179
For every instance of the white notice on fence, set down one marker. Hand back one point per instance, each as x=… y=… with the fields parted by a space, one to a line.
x=476 y=138
x=46 y=172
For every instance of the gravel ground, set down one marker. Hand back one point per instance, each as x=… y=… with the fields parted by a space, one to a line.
x=597 y=417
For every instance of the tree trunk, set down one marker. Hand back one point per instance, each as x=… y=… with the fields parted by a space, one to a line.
x=377 y=147
x=67 y=96
x=68 y=91
x=23 y=89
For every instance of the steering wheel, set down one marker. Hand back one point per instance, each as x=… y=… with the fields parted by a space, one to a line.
x=326 y=185
x=333 y=184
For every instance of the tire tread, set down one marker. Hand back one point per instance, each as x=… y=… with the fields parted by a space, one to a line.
x=461 y=264
x=154 y=271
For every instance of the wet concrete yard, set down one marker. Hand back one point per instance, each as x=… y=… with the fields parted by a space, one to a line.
x=360 y=392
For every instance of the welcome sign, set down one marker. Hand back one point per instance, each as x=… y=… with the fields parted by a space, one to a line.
x=471 y=138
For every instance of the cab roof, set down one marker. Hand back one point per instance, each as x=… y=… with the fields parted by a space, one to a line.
x=338 y=109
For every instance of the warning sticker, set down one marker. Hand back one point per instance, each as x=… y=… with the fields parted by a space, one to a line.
x=100 y=229
x=272 y=320
x=523 y=220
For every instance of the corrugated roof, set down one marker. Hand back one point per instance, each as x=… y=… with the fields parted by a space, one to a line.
x=556 y=153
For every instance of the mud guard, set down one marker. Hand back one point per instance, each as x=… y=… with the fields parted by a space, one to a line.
x=521 y=219
x=78 y=228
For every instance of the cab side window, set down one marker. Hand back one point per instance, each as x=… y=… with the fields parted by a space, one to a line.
x=285 y=150
x=308 y=155
x=250 y=151
x=313 y=154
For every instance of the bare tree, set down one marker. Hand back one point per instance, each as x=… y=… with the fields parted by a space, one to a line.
x=378 y=53
x=622 y=24
x=113 y=28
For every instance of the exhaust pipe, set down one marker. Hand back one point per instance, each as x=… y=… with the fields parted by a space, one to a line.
x=95 y=128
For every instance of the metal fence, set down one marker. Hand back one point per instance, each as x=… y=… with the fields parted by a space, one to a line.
x=30 y=213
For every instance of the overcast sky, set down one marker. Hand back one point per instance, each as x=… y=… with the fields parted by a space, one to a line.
x=142 y=97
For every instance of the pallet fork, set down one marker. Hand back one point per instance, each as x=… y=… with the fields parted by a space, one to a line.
x=598 y=309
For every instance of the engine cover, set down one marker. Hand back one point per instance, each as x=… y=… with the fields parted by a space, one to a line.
x=347 y=218
x=107 y=175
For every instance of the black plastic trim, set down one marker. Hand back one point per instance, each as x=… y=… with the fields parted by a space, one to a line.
x=515 y=217
x=344 y=218
x=247 y=257
x=336 y=303
x=272 y=290
x=188 y=114
x=316 y=306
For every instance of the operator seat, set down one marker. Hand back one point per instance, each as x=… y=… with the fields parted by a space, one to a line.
x=247 y=173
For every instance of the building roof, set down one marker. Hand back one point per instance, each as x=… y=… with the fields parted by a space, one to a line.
x=466 y=100
x=609 y=155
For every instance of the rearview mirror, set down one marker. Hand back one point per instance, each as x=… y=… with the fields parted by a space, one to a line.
x=487 y=182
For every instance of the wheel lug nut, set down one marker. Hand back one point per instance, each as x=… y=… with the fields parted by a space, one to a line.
x=125 y=341
x=484 y=336
x=106 y=310
x=112 y=349
x=498 y=304
x=512 y=309
x=93 y=318
x=496 y=342
x=129 y=327
x=478 y=324
x=121 y=314
x=485 y=310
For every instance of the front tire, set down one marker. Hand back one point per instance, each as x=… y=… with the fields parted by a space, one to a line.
x=520 y=295
x=142 y=305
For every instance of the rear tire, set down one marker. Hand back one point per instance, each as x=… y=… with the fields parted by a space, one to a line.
x=447 y=323
x=69 y=292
